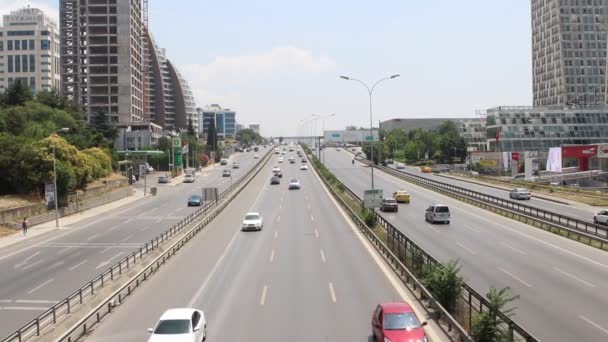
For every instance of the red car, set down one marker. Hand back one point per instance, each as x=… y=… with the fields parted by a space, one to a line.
x=397 y=322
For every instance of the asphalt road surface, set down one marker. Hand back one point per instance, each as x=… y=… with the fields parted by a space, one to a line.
x=43 y=270
x=562 y=283
x=305 y=277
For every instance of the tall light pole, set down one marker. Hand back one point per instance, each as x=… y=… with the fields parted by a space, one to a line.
x=370 y=91
x=323 y=128
x=56 y=199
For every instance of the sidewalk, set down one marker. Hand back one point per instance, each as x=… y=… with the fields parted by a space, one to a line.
x=66 y=221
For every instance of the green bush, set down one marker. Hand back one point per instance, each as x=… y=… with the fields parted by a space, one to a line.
x=445 y=283
x=485 y=326
x=369 y=217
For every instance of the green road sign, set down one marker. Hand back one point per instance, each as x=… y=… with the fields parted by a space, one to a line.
x=369 y=138
x=177 y=155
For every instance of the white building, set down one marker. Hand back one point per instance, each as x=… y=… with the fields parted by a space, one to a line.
x=29 y=50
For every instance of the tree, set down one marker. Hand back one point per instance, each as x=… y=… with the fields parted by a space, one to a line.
x=485 y=326
x=17 y=94
x=395 y=139
x=378 y=151
x=281 y=140
x=445 y=283
x=212 y=136
x=249 y=137
x=191 y=131
x=100 y=122
x=55 y=99
x=164 y=144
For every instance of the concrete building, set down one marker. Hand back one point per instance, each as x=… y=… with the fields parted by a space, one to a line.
x=239 y=127
x=225 y=121
x=255 y=127
x=139 y=135
x=169 y=102
x=102 y=56
x=474 y=132
x=29 y=50
x=410 y=124
x=539 y=128
x=569 y=52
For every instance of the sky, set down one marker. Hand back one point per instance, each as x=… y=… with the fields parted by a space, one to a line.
x=278 y=62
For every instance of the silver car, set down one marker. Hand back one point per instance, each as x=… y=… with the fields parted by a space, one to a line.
x=520 y=194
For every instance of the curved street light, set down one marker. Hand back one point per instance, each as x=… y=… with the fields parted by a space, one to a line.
x=370 y=91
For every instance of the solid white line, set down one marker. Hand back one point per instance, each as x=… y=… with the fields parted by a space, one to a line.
x=40 y=286
x=65 y=250
x=316 y=233
x=574 y=277
x=75 y=266
x=466 y=248
x=514 y=277
x=322 y=256
x=92 y=237
x=263 y=299
x=513 y=248
x=332 y=292
x=31 y=265
x=127 y=238
x=593 y=324
x=35 y=301
x=272 y=255
x=24 y=308
x=276 y=234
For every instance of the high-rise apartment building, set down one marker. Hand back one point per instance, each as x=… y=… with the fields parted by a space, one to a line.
x=102 y=56
x=29 y=50
x=569 y=52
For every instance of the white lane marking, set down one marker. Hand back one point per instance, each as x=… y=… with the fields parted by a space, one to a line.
x=574 y=277
x=514 y=277
x=31 y=256
x=31 y=265
x=105 y=263
x=312 y=218
x=78 y=264
x=281 y=206
x=316 y=233
x=322 y=256
x=158 y=221
x=593 y=324
x=308 y=206
x=466 y=248
x=92 y=237
x=263 y=299
x=276 y=234
x=127 y=221
x=513 y=248
x=24 y=308
x=127 y=238
x=36 y=301
x=106 y=249
x=40 y=286
x=332 y=292
x=57 y=264
x=278 y=219
x=272 y=255
x=65 y=250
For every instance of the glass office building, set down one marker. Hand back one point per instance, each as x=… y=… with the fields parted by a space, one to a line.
x=225 y=121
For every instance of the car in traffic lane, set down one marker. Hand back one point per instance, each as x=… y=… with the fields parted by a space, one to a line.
x=389 y=204
x=396 y=322
x=252 y=221
x=401 y=196
x=189 y=178
x=181 y=324
x=294 y=184
x=303 y=167
x=195 y=200
x=226 y=173
x=520 y=194
x=163 y=179
x=601 y=217
x=275 y=180
x=438 y=213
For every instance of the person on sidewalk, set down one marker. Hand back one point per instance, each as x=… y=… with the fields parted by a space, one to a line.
x=24 y=226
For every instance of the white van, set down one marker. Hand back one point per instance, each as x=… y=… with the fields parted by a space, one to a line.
x=438 y=213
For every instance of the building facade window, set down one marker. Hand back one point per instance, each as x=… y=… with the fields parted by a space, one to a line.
x=24 y=44
x=24 y=63
x=33 y=84
x=10 y=63
x=17 y=45
x=45 y=44
x=32 y=63
x=9 y=45
x=32 y=44
x=17 y=63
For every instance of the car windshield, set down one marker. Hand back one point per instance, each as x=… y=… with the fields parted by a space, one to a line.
x=401 y=321
x=252 y=217
x=195 y=198
x=442 y=209
x=172 y=326
x=390 y=201
x=294 y=181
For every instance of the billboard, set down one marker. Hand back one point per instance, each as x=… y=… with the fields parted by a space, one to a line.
x=579 y=151
x=602 y=150
x=347 y=136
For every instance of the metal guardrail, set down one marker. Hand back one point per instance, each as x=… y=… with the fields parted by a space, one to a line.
x=576 y=227
x=78 y=297
x=396 y=251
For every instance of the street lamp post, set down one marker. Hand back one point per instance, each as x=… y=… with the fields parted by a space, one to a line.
x=56 y=199
x=370 y=91
x=323 y=129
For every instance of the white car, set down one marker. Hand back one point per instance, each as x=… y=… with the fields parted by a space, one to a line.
x=252 y=221
x=189 y=178
x=294 y=184
x=183 y=324
x=303 y=167
x=255 y=156
x=276 y=169
x=601 y=217
x=280 y=159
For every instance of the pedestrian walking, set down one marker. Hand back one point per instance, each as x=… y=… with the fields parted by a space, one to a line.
x=24 y=226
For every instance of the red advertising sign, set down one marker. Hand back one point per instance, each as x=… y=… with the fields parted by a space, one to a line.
x=579 y=151
x=515 y=156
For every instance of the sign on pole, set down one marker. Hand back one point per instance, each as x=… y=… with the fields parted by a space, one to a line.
x=210 y=194
x=372 y=198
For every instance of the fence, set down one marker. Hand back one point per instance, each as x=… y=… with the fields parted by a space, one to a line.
x=77 y=298
x=410 y=261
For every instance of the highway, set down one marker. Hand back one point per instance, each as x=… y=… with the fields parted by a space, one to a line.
x=305 y=277
x=562 y=283
x=584 y=213
x=40 y=271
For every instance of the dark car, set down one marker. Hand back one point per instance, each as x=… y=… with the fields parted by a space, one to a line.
x=163 y=179
x=195 y=200
x=278 y=173
x=275 y=180
x=304 y=161
x=396 y=322
x=226 y=173
x=389 y=204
